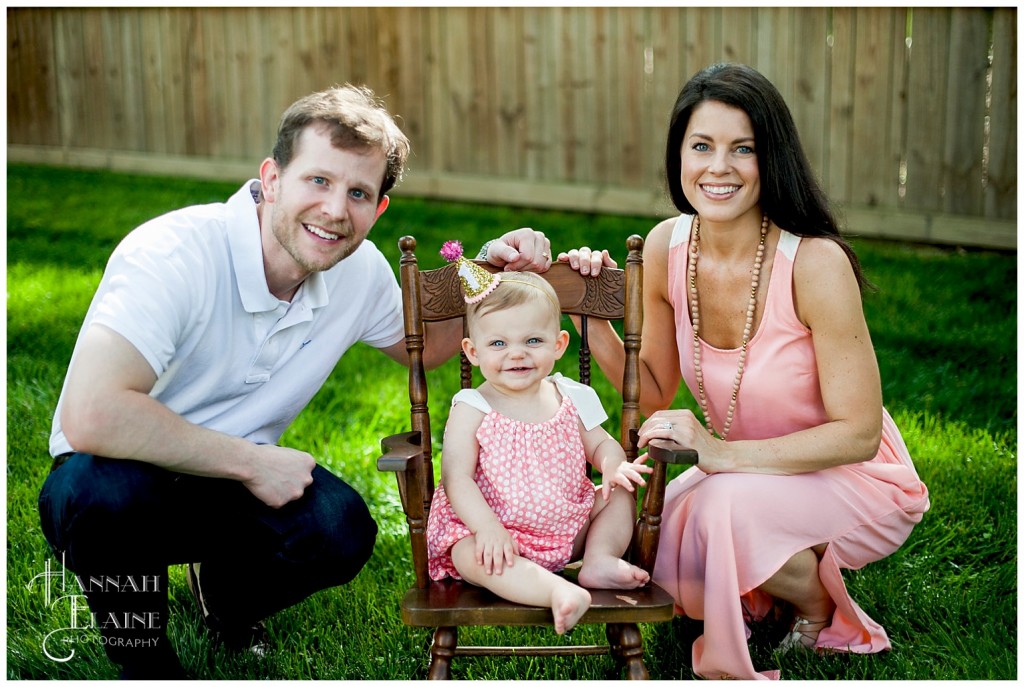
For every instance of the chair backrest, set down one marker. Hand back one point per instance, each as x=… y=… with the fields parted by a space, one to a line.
x=435 y=295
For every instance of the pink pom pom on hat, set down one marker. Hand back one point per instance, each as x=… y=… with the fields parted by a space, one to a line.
x=477 y=282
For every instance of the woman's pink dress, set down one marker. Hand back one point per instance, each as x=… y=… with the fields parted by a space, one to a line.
x=724 y=535
x=533 y=476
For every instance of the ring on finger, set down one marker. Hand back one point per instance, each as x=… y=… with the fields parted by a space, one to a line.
x=665 y=425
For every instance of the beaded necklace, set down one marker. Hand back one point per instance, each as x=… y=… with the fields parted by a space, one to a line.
x=695 y=317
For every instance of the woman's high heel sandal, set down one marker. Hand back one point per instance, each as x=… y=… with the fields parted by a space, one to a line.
x=803 y=634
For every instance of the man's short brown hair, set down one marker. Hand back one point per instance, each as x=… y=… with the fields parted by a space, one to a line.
x=354 y=118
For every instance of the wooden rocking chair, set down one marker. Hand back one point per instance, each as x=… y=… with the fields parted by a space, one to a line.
x=434 y=295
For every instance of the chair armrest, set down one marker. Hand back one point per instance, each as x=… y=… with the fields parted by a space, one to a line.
x=666 y=452
x=672 y=454
x=398 y=450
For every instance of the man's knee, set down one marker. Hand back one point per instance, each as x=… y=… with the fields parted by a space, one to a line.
x=95 y=499
x=339 y=527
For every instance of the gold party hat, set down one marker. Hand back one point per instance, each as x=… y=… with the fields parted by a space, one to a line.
x=476 y=281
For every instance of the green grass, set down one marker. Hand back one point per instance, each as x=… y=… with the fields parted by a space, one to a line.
x=943 y=324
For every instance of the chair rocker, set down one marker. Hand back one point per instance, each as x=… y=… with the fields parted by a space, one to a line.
x=434 y=295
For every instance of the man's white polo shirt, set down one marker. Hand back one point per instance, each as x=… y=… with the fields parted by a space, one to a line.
x=188 y=290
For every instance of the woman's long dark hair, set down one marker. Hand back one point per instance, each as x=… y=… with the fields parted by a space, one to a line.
x=790 y=193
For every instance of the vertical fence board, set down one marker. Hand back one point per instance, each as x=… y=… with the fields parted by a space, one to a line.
x=1001 y=189
x=100 y=120
x=602 y=118
x=173 y=67
x=408 y=99
x=808 y=101
x=436 y=133
x=964 y=138
x=584 y=82
x=333 y=58
x=31 y=63
x=484 y=106
x=632 y=104
x=155 y=91
x=457 y=95
x=566 y=106
x=702 y=41
x=844 y=23
x=670 y=73
x=535 y=60
x=196 y=56
x=873 y=177
x=775 y=48
x=926 y=114
x=124 y=46
x=736 y=25
x=898 y=123
x=505 y=101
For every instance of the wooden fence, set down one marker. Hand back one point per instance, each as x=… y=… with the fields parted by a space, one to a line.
x=908 y=114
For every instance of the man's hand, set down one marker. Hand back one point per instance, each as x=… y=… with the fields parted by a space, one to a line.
x=281 y=474
x=521 y=250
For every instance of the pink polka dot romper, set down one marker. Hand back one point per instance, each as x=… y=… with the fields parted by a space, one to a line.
x=533 y=476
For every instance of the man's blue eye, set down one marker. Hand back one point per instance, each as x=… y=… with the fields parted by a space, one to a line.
x=319 y=180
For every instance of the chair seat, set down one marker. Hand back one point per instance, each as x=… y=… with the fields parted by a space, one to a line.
x=452 y=602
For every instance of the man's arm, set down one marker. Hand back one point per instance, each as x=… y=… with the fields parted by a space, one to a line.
x=107 y=411
x=520 y=250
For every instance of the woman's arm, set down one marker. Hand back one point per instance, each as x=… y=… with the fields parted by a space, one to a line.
x=828 y=302
x=659 y=359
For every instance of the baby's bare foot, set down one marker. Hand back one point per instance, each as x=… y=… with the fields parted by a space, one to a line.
x=568 y=604
x=609 y=572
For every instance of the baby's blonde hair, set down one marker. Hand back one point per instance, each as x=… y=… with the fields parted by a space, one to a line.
x=516 y=288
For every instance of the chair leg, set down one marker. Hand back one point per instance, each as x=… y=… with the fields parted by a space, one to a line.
x=613 y=631
x=441 y=653
x=632 y=652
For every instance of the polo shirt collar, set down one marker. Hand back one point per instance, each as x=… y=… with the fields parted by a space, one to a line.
x=247 y=257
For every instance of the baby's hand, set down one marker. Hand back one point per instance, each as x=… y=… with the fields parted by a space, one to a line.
x=494 y=548
x=624 y=475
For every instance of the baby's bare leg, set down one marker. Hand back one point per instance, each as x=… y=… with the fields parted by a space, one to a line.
x=525 y=582
x=608 y=538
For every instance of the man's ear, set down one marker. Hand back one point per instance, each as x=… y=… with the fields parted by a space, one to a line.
x=561 y=343
x=384 y=202
x=470 y=350
x=270 y=173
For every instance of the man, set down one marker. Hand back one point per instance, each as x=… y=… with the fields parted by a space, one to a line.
x=213 y=326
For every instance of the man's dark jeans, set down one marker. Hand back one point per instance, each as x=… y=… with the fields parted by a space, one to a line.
x=118 y=524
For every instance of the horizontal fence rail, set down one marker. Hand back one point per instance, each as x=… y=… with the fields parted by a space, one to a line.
x=908 y=115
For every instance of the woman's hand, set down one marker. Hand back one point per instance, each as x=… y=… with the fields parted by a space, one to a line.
x=586 y=261
x=682 y=428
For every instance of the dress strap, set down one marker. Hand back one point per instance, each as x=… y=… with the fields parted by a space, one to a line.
x=587 y=402
x=472 y=398
x=788 y=243
x=681 y=230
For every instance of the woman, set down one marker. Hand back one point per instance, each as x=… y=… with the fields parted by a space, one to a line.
x=753 y=298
